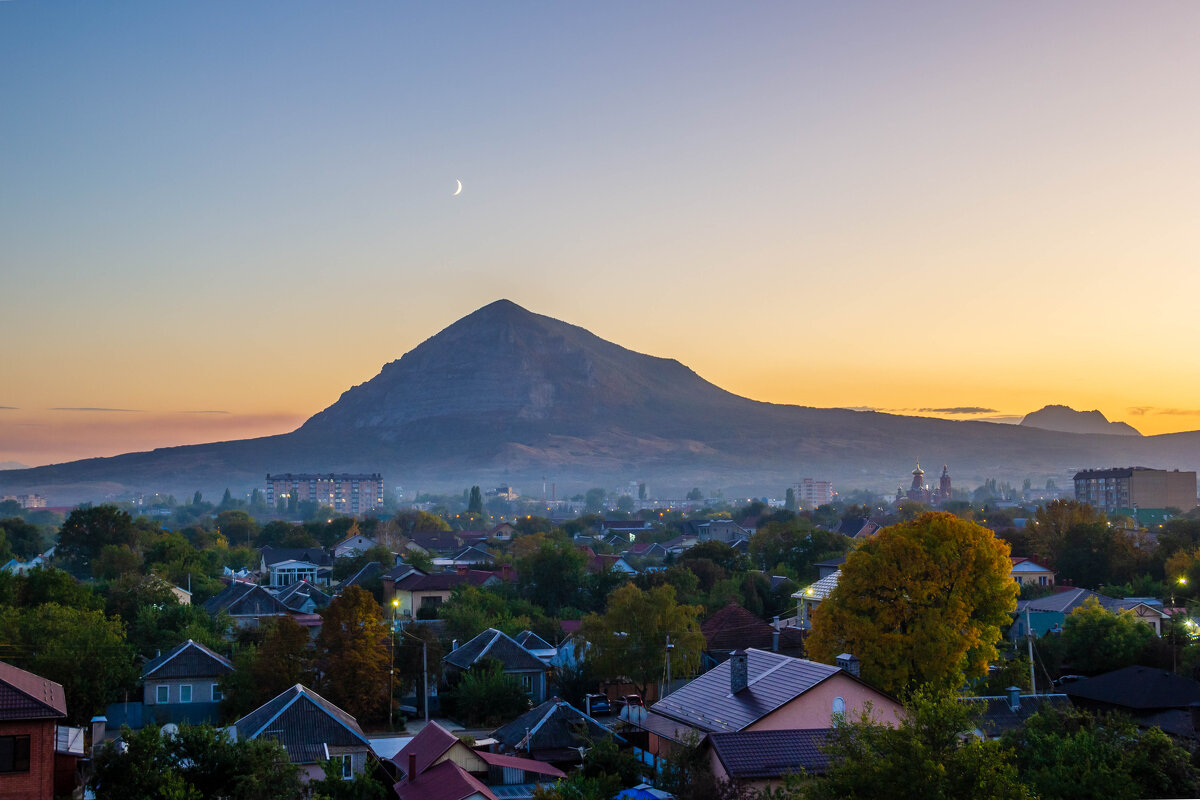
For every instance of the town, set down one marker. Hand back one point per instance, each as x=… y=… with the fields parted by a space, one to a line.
x=323 y=637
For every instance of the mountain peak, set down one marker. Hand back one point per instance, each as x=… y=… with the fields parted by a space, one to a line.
x=1068 y=420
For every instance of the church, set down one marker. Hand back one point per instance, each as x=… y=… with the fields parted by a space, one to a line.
x=922 y=493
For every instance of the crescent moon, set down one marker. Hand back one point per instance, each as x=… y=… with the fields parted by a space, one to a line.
x=457 y=191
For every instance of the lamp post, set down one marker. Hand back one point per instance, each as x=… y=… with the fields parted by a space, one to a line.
x=392 y=665
x=424 y=670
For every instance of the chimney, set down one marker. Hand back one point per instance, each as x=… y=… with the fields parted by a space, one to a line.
x=1014 y=698
x=453 y=645
x=97 y=733
x=775 y=641
x=412 y=767
x=739 y=671
x=849 y=663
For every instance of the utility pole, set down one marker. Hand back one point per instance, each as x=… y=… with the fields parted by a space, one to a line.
x=667 y=687
x=1029 y=639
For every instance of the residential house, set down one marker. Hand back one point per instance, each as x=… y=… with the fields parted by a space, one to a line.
x=183 y=685
x=1152 y=697
x=368 y=575
x=651 y=551
x=247 y=603
x=1049 y=613
x=829 y=566
x=435 y=543
x=734 y=628
x=419 y=591
x=553 y=732
x=763 y=759
x=536 y=645
x=311 y=730
x=354 y=544
x=812 y=596
x=446 y=781
x=1027 y=572
x=434 y=745
x=515 y=660
x=757 y=690
x=1001 y=714
x=286 y=565
x=605 y=562
x=30 y=707
x=718 y=530
x=471 y=556
x=857 y=527
x=303 y=597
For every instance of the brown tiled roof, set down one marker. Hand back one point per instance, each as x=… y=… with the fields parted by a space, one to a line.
x=428 y=746
x=446 y=781
x=733 y=628
x=24 y=695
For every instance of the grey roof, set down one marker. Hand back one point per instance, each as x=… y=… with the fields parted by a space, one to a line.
x=188 y=660
x=531 y=641
x=1138 y=688
x=294 y=595
x=821 y=589
x=1066 y=602
x=554 y=725
x=373 y=569
x=761 y=755
x=241 y=599
x=774 y=680
x=313 y=555
x=998 y=715
x=500 y=646
x=304 y=723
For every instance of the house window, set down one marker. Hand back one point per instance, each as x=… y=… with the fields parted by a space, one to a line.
x=162 y=694
x=185 y=693
x=14 y=753
x=839 y=710
x=343 y=766
x=217 y=694
x=527 y=683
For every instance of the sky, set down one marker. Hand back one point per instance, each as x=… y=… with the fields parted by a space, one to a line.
x=216 y=217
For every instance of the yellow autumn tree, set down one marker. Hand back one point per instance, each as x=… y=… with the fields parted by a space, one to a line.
x=921 y=603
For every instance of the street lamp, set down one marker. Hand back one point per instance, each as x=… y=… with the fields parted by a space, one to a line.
x=392 y=664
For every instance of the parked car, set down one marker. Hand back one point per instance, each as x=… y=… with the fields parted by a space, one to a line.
x=596 y=704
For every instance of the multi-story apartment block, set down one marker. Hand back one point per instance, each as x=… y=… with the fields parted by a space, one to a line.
x=1136 y=487
x=346 y=493
x=812 y=493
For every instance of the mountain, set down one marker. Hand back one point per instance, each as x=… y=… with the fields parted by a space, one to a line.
x=505 y=396
x=13 y=465
x=1068 y=420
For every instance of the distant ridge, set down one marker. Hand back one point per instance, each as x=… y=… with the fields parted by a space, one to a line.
x=507 y=396
x=1068 y=420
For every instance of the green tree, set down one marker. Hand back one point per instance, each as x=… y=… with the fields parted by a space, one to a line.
x=790 y=500
x=695 y=494
x=24 y=538
x=353 y=642
x=485 y=696
x=551 y=576
x=921 y=602
x=282 y=660
x=88 y=530
x=928 y=754
x=594 y=500
x=1051 y=522
x=475 y=503
x=1095 y=640
x=630 y=638
x=1067 y=754
x=197 y=762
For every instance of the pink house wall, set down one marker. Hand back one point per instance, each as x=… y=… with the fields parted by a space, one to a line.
x=814 y=708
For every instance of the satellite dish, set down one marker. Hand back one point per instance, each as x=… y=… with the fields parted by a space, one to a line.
x=170 y=730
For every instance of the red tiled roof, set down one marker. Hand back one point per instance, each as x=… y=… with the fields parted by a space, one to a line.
x=24 y=695
x=446 y=781
x=428 y=746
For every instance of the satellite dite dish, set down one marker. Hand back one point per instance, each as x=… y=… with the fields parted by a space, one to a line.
x=170 y=730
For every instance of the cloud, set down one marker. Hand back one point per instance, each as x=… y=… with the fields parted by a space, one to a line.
x=1138 y=411
x=102 y=410
x=861 y=408
x=1003 y=419
x=204 y=412
x=1141 y=411
x=959 y=410
x=9 y=408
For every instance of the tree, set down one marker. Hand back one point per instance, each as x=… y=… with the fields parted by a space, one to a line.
x=629 y=640
x=475 y=503
x=484 y=696
x=1051 y=522
x=1067 y=754
x=594 y=500
x=419 y=650
x=197 y=762
x=1095 y=640
x=23 y=537
x=352 y=654
x=921 y=602
x=929 y=754
x=282 y=660
x=551 y=576
x=695 y=494
x=790 y=500
x=88 y=530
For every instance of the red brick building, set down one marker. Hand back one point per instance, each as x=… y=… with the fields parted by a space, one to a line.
x=29 y=710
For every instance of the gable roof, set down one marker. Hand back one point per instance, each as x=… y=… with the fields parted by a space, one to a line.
x=821 y=589
x=417 y=581
x=304 y=723
x=24 y=695
x=554 y=725
x=1141 y=688
x=998 y=715
x=525 y=764
x=372 y=569
x=186 y=660
x=446 y=781
x=295 y=594
x=277 y=555
x=531 y=641
x=430 y=743
x=241 y=599
x=1067 y=601
x=708 y=704
x=734 y=628
x=761 y=755
x=498 y=645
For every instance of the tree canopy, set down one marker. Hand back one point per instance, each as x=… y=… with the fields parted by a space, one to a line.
x=353 y=660
x=921 y=602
